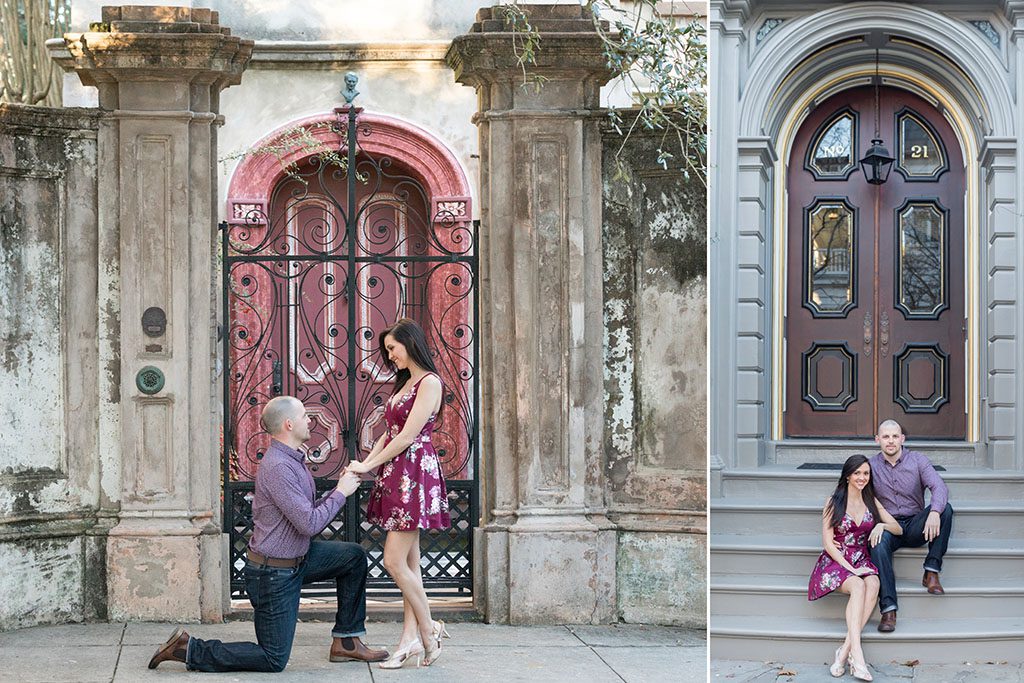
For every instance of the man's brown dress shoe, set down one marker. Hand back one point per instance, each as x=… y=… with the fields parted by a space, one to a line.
x=888 y=622
x=347 y=649
x=173 y=650
x=931 y=582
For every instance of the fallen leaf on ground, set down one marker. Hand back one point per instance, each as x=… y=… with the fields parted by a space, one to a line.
x=786 y=672
x=911 y=662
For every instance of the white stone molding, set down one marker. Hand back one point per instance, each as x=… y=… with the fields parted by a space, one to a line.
x=764 y=105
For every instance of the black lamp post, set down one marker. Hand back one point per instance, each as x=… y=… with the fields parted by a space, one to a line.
x=877 y=163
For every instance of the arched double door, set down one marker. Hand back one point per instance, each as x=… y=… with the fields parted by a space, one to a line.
x=875 y=325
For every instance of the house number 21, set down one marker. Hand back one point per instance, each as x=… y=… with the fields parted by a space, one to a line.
x=919 y=152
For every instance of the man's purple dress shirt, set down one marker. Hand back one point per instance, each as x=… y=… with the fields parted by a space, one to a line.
x=285 y=517
x=900 y=487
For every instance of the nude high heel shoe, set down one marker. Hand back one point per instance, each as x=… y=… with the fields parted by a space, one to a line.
x=860 y=671
x=438 y=630
x=838 y=667
x=431 y=654
x=403 y=655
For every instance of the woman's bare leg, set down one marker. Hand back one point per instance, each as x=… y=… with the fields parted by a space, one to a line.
x=410 y=628
x=396 y=561
x=871 y=587
x=855 y=588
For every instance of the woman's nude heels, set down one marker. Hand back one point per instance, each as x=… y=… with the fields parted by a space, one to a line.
x=838 y=667
x=438 y=630
x=431 y=654
x=404 y=654
x=860 y=671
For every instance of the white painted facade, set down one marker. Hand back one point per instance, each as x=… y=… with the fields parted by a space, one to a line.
x=771 y=62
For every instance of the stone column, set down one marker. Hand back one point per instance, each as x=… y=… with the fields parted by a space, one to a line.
x=159 y=71
x=546 y=550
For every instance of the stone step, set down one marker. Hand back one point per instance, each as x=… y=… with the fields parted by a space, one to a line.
x=966 y=558
x=783 y=482
x=972 y=519
x=945 y=453
x=753 y=596
x=950 y=640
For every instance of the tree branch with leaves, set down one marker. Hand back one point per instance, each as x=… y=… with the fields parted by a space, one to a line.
x=662 y=63
x=27 y=74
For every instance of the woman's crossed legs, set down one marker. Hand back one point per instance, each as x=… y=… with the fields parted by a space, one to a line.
x=863 y=592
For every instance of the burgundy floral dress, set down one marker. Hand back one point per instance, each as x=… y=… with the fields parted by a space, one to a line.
x=852 y=541
x=409 y=492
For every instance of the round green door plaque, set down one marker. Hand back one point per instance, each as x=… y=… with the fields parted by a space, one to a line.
x=149 y=380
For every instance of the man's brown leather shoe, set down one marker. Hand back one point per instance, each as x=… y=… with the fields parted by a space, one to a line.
x=347 y=649
x=173 y=650
x=931 y=582
x=888 y=622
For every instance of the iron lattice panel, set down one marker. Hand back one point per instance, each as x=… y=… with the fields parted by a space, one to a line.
x=446 y=557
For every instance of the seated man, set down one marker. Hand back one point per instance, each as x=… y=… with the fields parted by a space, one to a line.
x=282 y=557
x=900 y=477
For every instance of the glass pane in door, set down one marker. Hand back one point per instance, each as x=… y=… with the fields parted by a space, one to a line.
x=833 y=149
x=829 y=261
x=920 y=154
x=921 y=263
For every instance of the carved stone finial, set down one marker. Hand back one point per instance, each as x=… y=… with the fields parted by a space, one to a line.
x=350 y=92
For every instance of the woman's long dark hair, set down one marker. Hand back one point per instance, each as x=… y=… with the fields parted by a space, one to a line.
x=837 y=503
x=409 y=334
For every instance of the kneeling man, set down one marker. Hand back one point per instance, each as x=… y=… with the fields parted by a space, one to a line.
x=282 y=557
x=900 y=477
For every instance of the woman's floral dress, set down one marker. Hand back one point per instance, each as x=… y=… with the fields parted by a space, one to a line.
x=409 y=492
x=852 y=541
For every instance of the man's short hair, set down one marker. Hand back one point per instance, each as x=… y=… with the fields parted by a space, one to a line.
x=889 y=423
x=277 y=410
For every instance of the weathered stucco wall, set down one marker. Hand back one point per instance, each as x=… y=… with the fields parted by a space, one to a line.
x=655 y=229
x=50 y=544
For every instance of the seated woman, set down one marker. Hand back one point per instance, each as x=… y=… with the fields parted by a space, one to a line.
x=852 y=518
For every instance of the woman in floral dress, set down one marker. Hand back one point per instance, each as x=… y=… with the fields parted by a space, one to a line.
x=852 y=518
x=409 y=493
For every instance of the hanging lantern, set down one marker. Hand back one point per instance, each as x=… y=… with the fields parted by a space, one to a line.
x=877 y=163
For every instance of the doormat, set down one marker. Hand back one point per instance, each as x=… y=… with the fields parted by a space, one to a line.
x=839 y=466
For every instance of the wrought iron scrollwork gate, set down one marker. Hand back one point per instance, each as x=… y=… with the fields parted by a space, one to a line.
x=347 y=244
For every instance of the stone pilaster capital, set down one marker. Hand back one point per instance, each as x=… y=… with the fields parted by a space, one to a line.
x=138 y=43
x=998 y=153
x=570 y=47
x=1014 y=11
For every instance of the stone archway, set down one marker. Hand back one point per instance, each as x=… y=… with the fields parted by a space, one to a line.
x=430 y=159
x=316 y=261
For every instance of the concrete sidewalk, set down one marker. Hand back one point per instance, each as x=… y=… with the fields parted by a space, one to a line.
x=475 y=652
x=723 y=671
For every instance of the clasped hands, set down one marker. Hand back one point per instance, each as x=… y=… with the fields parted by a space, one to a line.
x=349 y=480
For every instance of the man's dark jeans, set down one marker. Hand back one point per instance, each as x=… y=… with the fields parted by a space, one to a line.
x=274 y=594
x=913 y=537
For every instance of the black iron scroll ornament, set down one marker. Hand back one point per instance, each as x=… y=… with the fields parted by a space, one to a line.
x=347 y=243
